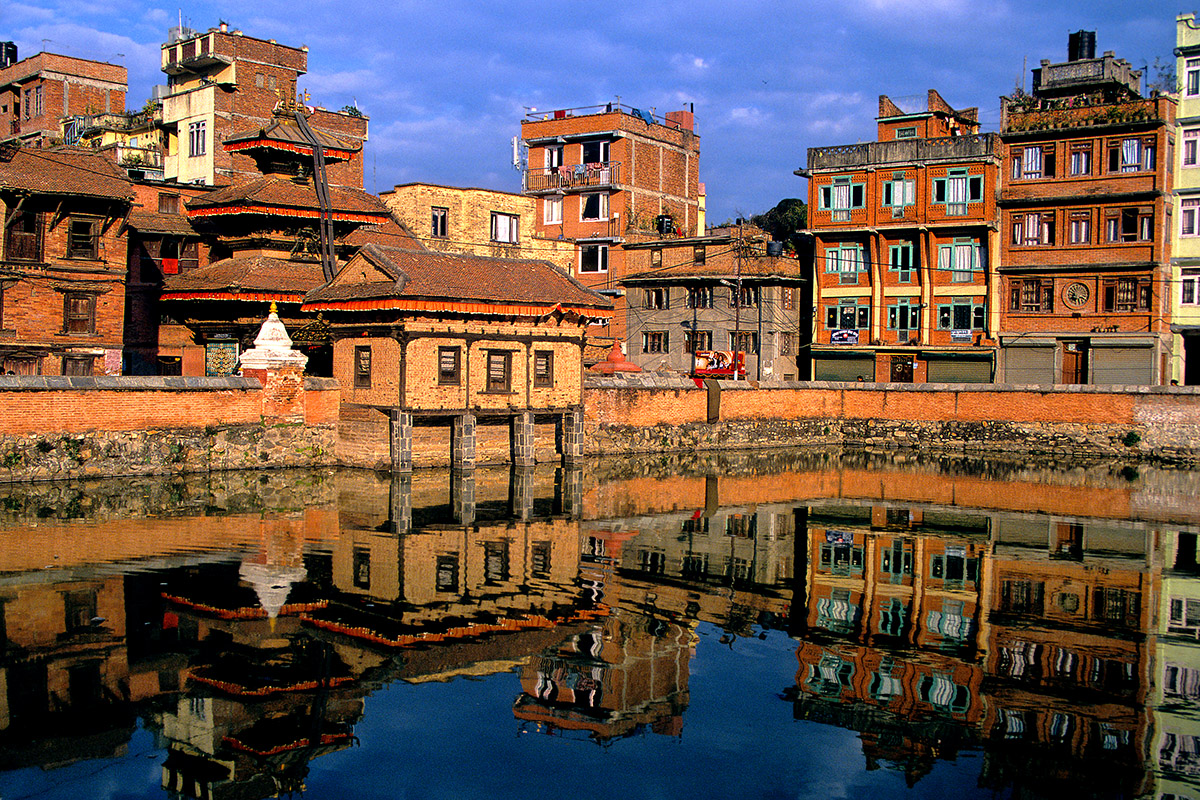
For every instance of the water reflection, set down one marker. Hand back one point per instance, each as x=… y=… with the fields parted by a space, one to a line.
x=1042 y=616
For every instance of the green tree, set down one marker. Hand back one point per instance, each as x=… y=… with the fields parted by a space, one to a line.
x=785 y=219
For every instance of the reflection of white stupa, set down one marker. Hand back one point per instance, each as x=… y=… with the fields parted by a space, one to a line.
x=272 y=583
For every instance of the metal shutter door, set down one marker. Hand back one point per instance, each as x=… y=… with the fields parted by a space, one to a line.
x=1122 y=365
x=959 y=370
x=1029 y=365
x=843 y=369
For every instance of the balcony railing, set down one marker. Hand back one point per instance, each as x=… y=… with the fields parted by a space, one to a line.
x=903 y=151
x=574 y=176
x=1027 y=114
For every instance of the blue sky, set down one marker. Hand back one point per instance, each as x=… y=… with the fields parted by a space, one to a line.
x=445 y=83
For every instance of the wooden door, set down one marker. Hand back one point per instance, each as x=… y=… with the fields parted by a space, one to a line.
x=902 y=369
x=1074 y=362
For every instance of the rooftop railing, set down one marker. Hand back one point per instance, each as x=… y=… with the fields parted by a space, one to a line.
x=900 y=151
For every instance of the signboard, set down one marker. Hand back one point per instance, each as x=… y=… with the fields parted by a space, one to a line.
x=718 y=363
x=844 y=337
x=960 y=336
x=838 y=537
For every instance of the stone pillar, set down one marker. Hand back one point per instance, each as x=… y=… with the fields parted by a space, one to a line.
x=400 y=430
x=520 y=439
x=462 y=496
x=569 y=436
x=520 y=492
x=400 y=503
x=462 y=442
x=568 y=491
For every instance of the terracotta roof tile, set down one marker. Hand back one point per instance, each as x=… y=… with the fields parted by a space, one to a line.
x=287 y=193
x=289 y=134
x=428 y=274
x=389 y=233
x=249 y=275
x=722 y=265
x=153 y=222
x=65 y=170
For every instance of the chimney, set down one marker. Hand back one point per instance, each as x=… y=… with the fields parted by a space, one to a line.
x=685 y=120
x=224 y=26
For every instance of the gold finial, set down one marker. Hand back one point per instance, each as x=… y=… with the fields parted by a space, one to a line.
x=274 y=308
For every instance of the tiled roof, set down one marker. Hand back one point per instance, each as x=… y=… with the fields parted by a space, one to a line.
x=65 y=170
x=153 y=222
x=389 y=233
x=723 y=266
x=246 y=278
x=284 y=193
x=431 y=275
x=287 y=136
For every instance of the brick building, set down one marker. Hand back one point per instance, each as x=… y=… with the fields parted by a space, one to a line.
x=222 y=82
x=905 y=246
x=1185 y=233
x=480 y=222
x=683 y=297
x=1084 y=211
x=437 y=338
x=603 y=175
x=38 y=92
x=62 y=268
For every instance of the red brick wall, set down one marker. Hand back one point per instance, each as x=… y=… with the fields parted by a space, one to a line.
x=80 y=411
x=647 y=407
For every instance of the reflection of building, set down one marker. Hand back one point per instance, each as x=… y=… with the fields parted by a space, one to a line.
x=1174 y=750
x=1070 y=603
x=622 y=673
x=64 y=673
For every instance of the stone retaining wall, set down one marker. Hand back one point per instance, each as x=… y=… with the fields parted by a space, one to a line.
x=649 y=413
x=55 y=428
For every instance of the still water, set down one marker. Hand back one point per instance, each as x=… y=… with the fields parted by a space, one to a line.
x=800 y=625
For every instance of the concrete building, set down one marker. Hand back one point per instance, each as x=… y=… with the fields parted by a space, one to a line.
x=1185 y=232
x=603 y=176
x=39 y=92
x=1085 y=267
x=222 y=82
x=682 y=297
x=905 y=248
x=480 y=222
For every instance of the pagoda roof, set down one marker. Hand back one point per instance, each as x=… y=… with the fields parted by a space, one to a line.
x=432 y=281
x=284 y=135
x=277 y=195
x=248 y=279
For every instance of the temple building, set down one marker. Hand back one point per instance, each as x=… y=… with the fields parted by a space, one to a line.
x=273 y=239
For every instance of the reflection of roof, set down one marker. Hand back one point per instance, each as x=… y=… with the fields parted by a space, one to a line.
x=410 y=279
x=65 y=170
x=288 y=197
x=250 y=278
x=153 y=222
